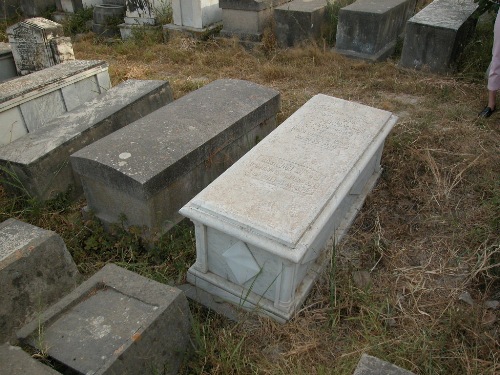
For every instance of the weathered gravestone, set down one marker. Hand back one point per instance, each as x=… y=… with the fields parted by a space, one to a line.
x=369 y=29
x=36 y=270
x=148 y=170
x=247 y=19
x=436 y=36
x=369 y=365
x=262 y=226
x=116 y=322
x=15 y=361
x=7 y=66
x=299 y=21
x=38 y=43
x=30 y=102
x=38 y=163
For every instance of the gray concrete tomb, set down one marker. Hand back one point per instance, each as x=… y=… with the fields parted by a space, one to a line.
x=247 y=19
x=436 y=36
x=263 y=226
x=299 y=21
x=30 y=102
x=36 y=270
x=116 y=322
x=39 y=161
x=149 y=169
x=369 y=29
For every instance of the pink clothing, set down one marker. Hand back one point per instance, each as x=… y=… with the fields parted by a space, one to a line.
x=494 y=76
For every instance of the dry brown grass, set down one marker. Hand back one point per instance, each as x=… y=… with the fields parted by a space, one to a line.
x=428 y=232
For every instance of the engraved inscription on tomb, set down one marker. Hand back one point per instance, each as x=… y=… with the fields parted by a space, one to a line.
x=25 y=43
x=330 y=134
x=286 y=175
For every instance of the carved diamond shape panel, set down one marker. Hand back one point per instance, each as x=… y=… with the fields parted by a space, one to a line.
x=241 y=262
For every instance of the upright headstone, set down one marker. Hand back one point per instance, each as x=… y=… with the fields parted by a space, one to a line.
x=36 y=270
x=262 y=227
x=436 y=36
x=36 y=45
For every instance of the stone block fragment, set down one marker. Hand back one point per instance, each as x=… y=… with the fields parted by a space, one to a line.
x=369 y=365
x=36 y=270
x=14 y=361
x=116 y=322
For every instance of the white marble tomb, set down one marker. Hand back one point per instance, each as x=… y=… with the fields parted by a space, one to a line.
x=262 y=227
x=196 y=14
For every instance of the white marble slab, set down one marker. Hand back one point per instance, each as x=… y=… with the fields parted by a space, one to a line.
x=262 y=226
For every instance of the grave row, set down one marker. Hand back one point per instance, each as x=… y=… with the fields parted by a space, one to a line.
x=433 y=39
x=116 y=322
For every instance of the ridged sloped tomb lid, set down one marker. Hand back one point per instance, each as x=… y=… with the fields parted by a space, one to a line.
x=279 y=188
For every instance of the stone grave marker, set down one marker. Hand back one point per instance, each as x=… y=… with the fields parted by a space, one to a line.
x=299 y=21
x=30 y=102
x=369 y=29
x=36 y=270
x=247 y=19
x=262 y=227
x=436 y=36
x=36 y=45
x=116 y=322
x=39 y=161
x=149 y=169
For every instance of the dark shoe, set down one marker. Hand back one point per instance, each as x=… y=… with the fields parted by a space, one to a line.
x=486 y=112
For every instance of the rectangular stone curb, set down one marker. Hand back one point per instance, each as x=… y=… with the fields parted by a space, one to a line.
x=40 y=160
x=36 y=270
x=14 y=361
x=116 y=322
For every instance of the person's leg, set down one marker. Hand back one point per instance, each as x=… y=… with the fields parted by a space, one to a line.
x=492 y=96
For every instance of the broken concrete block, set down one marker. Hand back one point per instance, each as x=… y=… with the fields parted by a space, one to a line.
x=116 y=322
x=36 y=270
x=369 y=365
x=14 y=361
